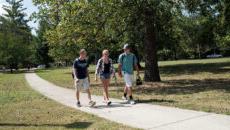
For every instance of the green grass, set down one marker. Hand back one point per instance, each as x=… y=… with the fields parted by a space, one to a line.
x=202 y=85
x=22 y=108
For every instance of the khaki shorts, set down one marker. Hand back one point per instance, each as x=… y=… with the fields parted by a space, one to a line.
x=82 y=83
x=128 y=80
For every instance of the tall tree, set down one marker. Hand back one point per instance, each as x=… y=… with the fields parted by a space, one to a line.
x=42 y=47
x=16 y=47
x=176 y=28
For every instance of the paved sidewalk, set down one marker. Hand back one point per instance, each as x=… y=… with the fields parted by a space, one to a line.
x=141 y=115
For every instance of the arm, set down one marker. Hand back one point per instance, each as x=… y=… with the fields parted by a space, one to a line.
x=97 y=70
x=119 y=70
x=136 y=66
x=88 y=74
x=74 y=71
x=137 y=69
x=112 y=69
x=120 y=65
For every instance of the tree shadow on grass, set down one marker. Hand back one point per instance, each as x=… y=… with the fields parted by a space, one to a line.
x=99 y=84
x=183 y=86
x=121 y=104
x=181 y=69
x=21 y=71
x=70 y=72
x=82 y=125
x=154 y=101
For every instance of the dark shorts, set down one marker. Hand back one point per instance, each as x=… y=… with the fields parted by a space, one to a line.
x=105 y=76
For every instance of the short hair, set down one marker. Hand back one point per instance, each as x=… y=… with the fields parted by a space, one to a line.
x=82 y=51
x=126 y=46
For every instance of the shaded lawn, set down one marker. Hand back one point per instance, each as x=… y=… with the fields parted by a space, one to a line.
x=22 y=108
x=202 y=85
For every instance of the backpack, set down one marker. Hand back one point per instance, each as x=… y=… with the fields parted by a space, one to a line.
x=138 y=81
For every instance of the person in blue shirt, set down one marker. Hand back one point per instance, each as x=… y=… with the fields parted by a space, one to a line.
x=81 y=77
x=126 y=63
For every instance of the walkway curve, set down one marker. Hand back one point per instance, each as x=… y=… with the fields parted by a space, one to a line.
x=141 y=115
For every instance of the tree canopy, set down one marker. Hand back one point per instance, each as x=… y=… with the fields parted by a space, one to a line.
x=15 y=36
x=171 y=29
x=156 y=30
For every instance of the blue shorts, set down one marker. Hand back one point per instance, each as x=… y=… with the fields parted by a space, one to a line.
x=105 y=76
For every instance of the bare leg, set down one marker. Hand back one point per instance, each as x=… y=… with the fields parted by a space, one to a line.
x=77 y=91
x=89 y=94
x=125 y=89
x=129 y=91
x=103 y=84
x=77 y=94
x=105 y=89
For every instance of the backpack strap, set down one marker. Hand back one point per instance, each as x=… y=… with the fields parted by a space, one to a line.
x=122 y=57
x=133 y=60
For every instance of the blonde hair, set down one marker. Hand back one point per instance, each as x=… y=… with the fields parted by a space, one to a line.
x=105 y=51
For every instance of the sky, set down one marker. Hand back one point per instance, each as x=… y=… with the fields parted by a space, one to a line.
x=30 y=9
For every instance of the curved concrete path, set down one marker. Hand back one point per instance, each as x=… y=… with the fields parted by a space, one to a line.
x=143 y=116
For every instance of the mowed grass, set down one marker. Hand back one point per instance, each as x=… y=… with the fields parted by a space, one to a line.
x=202 y=85
x=24 y=109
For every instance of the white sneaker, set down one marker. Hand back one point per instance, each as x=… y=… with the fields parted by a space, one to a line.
x=124 y=98
x=132 y=102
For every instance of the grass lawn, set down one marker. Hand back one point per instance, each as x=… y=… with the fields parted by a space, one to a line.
x=202 y=85
x=22 y=108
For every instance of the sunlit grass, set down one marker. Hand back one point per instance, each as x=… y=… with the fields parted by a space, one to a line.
x=202 y=85
x=22 y=108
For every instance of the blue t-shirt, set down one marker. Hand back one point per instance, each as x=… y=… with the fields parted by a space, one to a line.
x=127 y=60
x=81 y=67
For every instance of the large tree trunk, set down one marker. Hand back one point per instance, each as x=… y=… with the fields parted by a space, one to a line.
x=151 y=61
x=135 y=51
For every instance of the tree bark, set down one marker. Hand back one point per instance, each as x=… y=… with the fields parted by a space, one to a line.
x=151 y=61
x=135 y=51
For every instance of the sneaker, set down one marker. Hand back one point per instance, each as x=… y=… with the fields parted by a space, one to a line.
x=78 y=104
x=132 y=102
x=124 y=98
x=109 y=103
x=92 y=103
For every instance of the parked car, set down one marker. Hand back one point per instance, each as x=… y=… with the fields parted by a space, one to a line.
x=214 y=56
x=41 y=66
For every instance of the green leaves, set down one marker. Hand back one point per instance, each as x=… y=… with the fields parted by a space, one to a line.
x=185 y=28
x=15 y=46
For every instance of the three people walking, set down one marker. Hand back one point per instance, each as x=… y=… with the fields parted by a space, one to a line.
x=105 y=70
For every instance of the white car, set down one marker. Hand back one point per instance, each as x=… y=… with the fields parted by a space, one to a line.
x=214 y=56
x=41 y=66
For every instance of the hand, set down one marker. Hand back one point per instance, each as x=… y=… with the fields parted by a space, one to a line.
x=114 y=74
x=76 y=79
x=138 y=74
x=120 y=74
x=89 y=80
x=95 y=79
